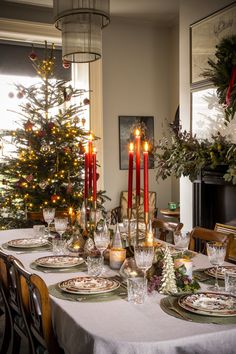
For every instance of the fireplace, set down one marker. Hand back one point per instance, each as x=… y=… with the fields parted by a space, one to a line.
x=214 y=199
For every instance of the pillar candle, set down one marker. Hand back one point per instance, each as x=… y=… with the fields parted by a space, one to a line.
x=137 y=141
x=188 y=265
x=94 y=175
x=117 y=257
x=130 y=180
x=145 y=171
x=90 y=151
x=86 y=168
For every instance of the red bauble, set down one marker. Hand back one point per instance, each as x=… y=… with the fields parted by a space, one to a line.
x=86 y=101
x=11 y=95
x=54 y=197
x=28 y=125
x=51 y=125
x=20 y=94
x=66 y=64
x=41 y=133
x=33 y=56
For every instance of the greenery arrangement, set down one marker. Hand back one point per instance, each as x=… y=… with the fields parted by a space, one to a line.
x=47 y=168
x=222 y=73
x=185 y=155
x=155 y=275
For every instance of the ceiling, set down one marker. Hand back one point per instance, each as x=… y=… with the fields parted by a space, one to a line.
x=163 y=13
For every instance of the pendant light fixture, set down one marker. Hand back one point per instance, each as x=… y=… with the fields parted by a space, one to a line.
x=81 y=23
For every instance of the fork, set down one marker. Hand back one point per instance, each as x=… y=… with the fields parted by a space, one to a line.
x=174 y=309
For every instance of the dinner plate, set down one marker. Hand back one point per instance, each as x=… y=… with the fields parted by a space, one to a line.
x=209 y=304
x=221 y=271
x=59 y=261
x=88 y=285
x=27 y=243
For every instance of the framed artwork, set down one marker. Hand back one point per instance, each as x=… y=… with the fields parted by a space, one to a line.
x=127 y=127
x=208 y=115
x=205 y=35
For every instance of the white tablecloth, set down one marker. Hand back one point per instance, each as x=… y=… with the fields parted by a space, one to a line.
x=119 y=327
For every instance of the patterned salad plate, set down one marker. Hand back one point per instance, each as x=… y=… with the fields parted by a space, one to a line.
x=59 y=261
x=27 y=243
x=209 y=304
x=221 y=271
x=89 y=285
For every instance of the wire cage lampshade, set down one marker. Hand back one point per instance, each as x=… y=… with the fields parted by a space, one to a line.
x=81 y=23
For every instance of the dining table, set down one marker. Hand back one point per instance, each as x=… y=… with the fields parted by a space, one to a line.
x=117 y=326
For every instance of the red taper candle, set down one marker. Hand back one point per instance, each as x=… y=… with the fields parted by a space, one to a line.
x=94 y=175
x=90 y=151
x=86 y=172
x=138 y=148
x=145 y=171
x=130 y=178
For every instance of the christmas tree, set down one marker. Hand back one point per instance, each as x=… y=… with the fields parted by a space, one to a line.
x=168 y=281
x=47 y=168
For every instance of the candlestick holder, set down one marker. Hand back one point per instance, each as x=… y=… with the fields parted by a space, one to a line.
x=137 y=218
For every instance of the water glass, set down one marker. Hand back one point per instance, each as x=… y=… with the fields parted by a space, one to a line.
x=230 y=282
x=59 y=247
x=39 y=231
x=216 y=252
x=137 y=289
x=95 y=265
x=48 y=215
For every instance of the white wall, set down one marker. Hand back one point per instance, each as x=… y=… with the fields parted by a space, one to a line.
x=136 y=81
x=190 y=12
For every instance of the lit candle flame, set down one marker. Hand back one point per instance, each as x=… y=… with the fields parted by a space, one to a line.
x=70 y=211
x=131 y=147
x=146 y=146
x=94 y=150
x=90 y=136
x=137 y=132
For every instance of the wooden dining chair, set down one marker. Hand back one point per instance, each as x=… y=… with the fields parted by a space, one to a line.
x=37 y=307
x=228 y=229
x=16 y=332
x=162 y=228
x=199 y=236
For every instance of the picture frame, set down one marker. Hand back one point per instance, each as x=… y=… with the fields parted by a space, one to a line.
x=204 y=36
x=127 y=127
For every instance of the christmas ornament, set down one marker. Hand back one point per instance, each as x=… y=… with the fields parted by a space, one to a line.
x=20 y=94
x=41 y=133
x=54 y=198
x=29 y=178
x=86 y=101
x=43 y=184
x=45 y=148
x=76 y=120
x=66 y=64
x=33 y=55
x=69 y=188
x=168 y=281
x=83 y=121
x=10 y=94
x=28 y=126
x=50 y=125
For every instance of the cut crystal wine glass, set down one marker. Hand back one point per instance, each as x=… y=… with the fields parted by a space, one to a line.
x=61 y=225
x=216 y=252
x=48 y=215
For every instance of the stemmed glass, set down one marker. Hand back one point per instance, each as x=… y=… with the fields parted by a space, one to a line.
x=48 y=215
x=181 y=240
x=143 y=256
x=216 y=252
x=61 y=225
x=102 y=240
